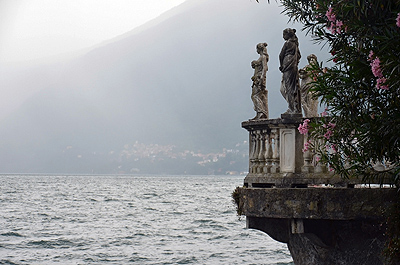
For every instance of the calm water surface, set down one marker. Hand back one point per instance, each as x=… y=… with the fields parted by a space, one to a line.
x=128 y=220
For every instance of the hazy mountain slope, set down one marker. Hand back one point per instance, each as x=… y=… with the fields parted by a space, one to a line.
x=184 y=81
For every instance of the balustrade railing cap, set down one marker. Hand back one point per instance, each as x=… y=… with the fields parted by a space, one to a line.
x=262 y=123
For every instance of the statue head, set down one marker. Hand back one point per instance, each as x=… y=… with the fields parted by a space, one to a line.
x=312 y=59
x=289 y=33
x=262 y=48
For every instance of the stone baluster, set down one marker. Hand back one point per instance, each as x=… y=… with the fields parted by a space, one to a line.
x=261 y=155
x=257 y=137
x=269 y=153
x=252 y=148
x=275 y=157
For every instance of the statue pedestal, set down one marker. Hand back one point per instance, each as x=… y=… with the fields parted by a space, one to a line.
x=295 y=116
x=291 y=155
x=291 y=144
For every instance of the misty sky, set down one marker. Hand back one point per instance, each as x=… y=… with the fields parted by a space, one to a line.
x=187 y=74
x=31 y=29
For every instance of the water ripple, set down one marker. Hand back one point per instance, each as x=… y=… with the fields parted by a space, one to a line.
x=15 y=234
x=128 y=220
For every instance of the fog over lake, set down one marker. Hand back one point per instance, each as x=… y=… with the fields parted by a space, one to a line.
x=180 y=82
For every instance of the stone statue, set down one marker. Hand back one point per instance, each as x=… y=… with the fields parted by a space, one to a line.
x=259 y=93
x=307 y=75
x=289 y=60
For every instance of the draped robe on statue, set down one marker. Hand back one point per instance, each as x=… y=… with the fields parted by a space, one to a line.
x=289 y=59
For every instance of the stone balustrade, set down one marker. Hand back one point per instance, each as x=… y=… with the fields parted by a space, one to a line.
x=276 y=157
x=276 y=147
x=264 y=151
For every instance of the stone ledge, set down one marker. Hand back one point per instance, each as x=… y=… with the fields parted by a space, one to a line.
x=315 y=203
x=264 y=123
x=288 y=180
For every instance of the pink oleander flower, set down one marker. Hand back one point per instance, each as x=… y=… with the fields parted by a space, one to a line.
x=377 y=71
x=398 y=20
x=303 y=128
x=335 y=25
x=334 y=28
x=330 y=15
x=375 y=64
x=376 y=67
x=371 y=55
x=338 y=26
x=317 y=158
x=331 y=125
x=306 y=146
x=331 y=28
x=380 y=83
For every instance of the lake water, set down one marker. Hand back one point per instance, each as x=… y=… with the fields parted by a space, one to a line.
x=128 y=220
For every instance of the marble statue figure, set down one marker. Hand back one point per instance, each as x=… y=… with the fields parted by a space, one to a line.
x=307 y=75
x=259 y=94
x=289 y=60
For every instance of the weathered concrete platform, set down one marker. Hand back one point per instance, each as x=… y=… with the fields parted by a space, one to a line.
x=316 y=203
x=321 y=225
